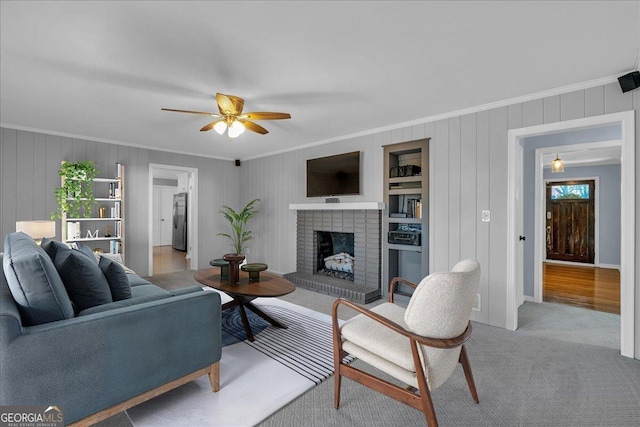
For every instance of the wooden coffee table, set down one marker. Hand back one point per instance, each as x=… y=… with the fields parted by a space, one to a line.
x=243 y=293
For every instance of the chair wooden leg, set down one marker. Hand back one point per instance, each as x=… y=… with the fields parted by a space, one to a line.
x=336 y=387
x=427 y=407
x=466 y=366
x=423 y=387
x=338 y=354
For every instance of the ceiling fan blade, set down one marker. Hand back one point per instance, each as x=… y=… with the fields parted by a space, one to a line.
x=229 y=105
x=210 y=125
x=266 y=116
x=238 y=104
x=253 y=127
x=204 y=113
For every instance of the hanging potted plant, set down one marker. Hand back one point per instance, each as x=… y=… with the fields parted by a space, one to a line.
x=239 y=236
x=75 y=195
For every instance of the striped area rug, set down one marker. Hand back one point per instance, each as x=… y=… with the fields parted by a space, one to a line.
x=306 y=346
x=257 y=378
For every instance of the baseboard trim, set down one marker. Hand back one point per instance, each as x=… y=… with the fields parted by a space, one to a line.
x=582 y=264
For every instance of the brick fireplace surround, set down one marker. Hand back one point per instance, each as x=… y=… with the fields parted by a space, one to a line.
x=366 y=224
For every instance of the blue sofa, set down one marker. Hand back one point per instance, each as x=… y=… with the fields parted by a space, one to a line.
x=104 y=359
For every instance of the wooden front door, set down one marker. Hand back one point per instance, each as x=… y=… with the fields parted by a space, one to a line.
x=571 y=221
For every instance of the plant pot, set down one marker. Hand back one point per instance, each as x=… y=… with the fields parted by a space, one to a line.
x=234 y=261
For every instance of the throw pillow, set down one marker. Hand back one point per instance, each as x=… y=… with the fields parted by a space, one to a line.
x=34 y=282
x=88 y=252
x=83 y=279
x=51 y=247
x=117 y=279
x=117 y=258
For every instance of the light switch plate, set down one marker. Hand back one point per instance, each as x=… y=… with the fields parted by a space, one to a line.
x=486 y=216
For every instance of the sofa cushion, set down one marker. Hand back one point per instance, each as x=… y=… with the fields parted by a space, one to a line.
x=187 y=290
x=83 y=279
x=117 y=279
x=147 y=290
x=135 y=280
x=123 y=303
x=34 y=282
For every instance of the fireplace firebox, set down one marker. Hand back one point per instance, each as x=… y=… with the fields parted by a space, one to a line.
x=334 y=253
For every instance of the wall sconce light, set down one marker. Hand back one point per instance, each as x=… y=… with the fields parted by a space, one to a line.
x=37 y=229
x=557 y=166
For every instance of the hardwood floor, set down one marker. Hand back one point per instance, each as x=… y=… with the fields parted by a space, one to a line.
x=587 y=287
x=168 y=260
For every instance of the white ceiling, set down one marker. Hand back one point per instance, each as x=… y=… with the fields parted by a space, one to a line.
x=102 y=70
x=582 y=157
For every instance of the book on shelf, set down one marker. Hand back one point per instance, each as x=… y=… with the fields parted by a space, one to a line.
x=118 y=229
x=73 y=230
x=115 y=210
x=114 y=190
x=414 y=208
x=118 y=170
x=114 y=247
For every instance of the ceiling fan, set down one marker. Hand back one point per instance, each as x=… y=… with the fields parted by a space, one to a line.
x=231 y=119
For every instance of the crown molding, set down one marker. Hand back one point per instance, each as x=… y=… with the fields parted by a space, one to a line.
x=498 y=104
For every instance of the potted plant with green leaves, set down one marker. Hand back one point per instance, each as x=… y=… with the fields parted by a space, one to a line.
x=75 y=195
x=239 y=235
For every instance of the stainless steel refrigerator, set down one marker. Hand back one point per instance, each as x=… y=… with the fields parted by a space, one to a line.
x=179 y=222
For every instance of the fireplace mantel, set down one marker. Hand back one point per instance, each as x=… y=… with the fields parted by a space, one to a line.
x=337 y=206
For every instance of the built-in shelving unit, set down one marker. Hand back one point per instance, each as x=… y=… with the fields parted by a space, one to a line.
x=105 y=228
x=405 y=225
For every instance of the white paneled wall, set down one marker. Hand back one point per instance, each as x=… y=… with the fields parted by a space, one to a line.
x=469 y=158
x=469 y=175
x=29 y=164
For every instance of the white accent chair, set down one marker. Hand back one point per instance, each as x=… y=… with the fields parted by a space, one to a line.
x=420 y=345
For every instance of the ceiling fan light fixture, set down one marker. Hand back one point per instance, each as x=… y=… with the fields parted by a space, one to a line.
x=220 y=127
x=557 y=166
x=231 y=119
x=236 y=129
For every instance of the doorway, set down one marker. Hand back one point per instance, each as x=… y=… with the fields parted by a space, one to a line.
x=173 y=234
x=514 y=295
x=584 y=286
x=570 y=221
x=169 y=222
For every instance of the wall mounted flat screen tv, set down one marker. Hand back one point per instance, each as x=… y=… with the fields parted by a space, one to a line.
x=334 y=175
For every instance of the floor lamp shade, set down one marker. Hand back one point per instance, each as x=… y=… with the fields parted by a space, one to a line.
x=37 y=229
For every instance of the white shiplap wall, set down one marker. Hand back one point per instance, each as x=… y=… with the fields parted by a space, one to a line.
x=29 y=164
x=470 y=175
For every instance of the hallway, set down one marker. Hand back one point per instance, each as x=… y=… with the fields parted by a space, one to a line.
x=589 y=287
x=168 y=260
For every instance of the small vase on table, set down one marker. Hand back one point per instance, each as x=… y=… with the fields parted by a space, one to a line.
x=234 y=261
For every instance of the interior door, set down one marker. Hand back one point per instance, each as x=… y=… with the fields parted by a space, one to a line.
x=157 y=216
x=166 y=210
x=162 y=215
x=571 y=221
